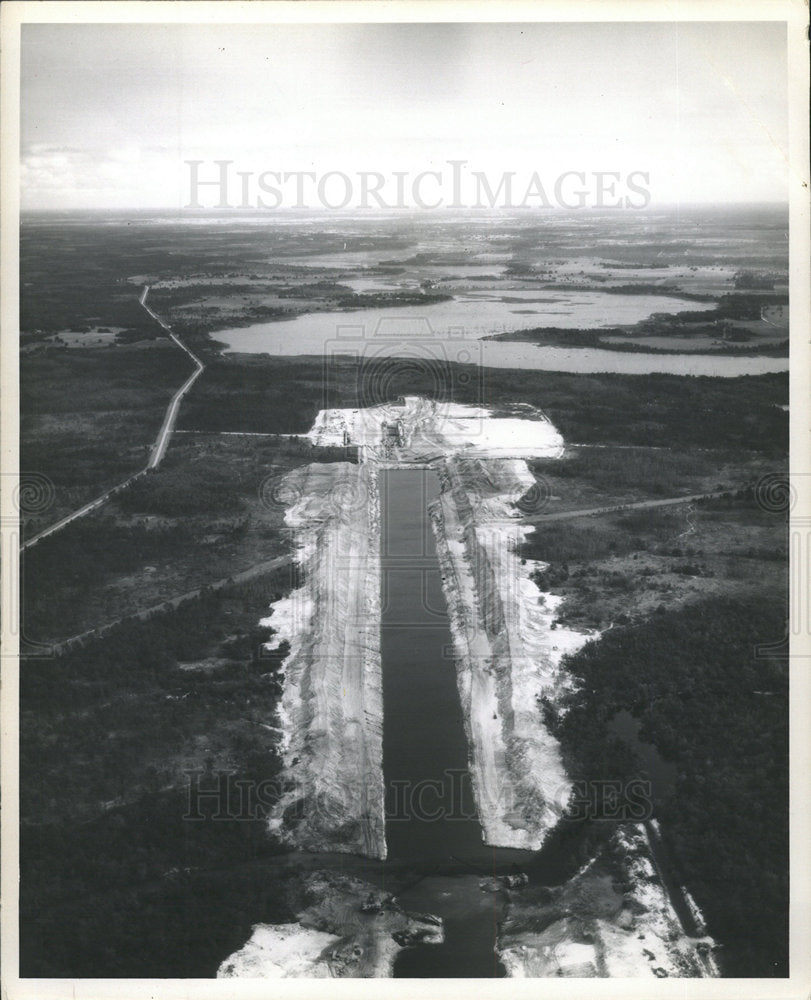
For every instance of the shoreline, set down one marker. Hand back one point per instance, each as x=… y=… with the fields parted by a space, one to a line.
x=613 y=919
x=345 y=928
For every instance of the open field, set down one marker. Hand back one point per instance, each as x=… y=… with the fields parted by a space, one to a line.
x=77 y=276
x=202 y=516
x=64 y=439
x=81 y=277
x=616 y=568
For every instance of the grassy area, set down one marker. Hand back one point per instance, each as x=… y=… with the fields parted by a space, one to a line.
x=89 y=417
x=199 y=309
x=115 y=882
x=625 y=566
x=209 y=512
x=87 y=270
x=204 y=515
x=74 y=277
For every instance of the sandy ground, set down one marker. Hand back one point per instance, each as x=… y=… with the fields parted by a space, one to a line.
x=507 y=655
x=331 y=706
x=430 y=430
x=345 y=928
x=613 y=919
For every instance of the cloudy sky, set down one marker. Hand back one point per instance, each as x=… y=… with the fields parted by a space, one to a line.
x=110 y=113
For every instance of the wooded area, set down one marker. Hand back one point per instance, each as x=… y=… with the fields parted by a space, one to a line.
x=719 y=712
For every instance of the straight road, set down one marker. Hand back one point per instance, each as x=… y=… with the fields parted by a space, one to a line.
x=158 y=448
x=174 y=602
x=635 y=505
x=252 y=434
x=88 y=507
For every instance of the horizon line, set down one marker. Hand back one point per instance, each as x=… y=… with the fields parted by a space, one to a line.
x=412 y=209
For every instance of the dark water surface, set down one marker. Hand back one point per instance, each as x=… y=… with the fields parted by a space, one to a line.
x=429 y=804
x=660 y=773
x=431 y=817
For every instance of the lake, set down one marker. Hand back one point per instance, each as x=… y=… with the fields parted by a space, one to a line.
x=452 y=331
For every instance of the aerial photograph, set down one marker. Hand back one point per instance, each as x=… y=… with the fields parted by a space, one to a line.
x=404 y=500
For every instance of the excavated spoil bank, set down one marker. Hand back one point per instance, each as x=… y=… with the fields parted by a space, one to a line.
x=612 y=919
x=345 y=928
x=507 y=657
x=507 y=654
x=332 y=706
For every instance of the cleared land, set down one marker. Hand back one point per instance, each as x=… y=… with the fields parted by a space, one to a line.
x=111 y=869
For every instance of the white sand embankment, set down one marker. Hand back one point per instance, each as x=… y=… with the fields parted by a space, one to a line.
x=331 y=706
x=345 y=928
x=280 y=951
x=428 y=429
x=596 y=925
x=507 y=654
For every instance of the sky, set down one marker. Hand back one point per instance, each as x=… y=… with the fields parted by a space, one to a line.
x=111 y=113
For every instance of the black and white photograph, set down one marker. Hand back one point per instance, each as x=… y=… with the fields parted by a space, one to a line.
x=406 y=498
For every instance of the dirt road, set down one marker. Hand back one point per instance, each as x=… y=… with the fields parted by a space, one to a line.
x=158 y=448
x=174 y=602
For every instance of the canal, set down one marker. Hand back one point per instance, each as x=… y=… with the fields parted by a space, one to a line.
x=431 y=818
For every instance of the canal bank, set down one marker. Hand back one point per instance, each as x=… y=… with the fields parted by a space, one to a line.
x=420 y=653
x=431 y=816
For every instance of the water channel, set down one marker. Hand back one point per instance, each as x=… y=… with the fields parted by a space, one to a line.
x=431 y=818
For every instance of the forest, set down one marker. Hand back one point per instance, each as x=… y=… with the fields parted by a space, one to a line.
x=116 y=880
x=88 y=418
x=62 y=439
x=257 y=393
x=717 y=709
